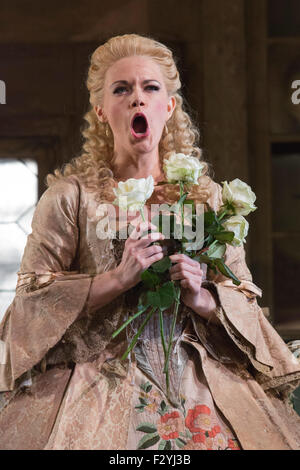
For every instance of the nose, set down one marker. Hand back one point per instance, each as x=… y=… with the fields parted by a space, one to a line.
x=137 y=101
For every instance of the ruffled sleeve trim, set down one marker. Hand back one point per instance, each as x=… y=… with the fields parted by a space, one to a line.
x=37 y=320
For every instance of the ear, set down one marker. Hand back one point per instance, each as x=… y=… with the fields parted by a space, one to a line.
x=99 y=111
x=171 y=106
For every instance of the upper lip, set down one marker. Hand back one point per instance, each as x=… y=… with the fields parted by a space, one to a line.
x=139 y=114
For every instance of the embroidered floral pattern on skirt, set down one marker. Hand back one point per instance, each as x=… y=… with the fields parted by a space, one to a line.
x=197 y=428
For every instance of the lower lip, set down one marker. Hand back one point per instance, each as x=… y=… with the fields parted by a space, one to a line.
x=140 y=136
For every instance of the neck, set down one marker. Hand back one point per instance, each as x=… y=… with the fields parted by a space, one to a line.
x=127 y=166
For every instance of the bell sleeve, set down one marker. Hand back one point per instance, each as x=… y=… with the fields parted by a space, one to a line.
x=245 y=335
x=49 y=294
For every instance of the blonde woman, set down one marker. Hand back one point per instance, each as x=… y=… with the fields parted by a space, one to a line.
x=63 y=383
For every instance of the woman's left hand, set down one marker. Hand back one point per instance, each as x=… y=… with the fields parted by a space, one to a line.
x=190 y=275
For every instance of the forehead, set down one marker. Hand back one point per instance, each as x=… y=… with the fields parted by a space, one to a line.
x=130 y=68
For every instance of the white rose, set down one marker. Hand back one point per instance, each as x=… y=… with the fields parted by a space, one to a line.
x=239 y=225
x=240 y=195
x=132 y=194
x=181 y=167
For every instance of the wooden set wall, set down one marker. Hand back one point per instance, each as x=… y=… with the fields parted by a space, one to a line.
x=221 y=47
x=44 y=60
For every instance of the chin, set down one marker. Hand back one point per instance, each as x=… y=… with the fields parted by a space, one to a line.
x=145 y=145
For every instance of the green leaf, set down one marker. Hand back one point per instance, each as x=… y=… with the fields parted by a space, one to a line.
x=217 y=251
x=143 y=401
x=150 y=278
x=162 y=445
x=168 y=445
x=224 y=236
x=148 y=441
x=202 y=258
x=145 y=385
x=162 y=265
x=140 y=407
x=180 y=443
x=223 y=268
x=164 y=297
x=210 y=220
x=148 y=428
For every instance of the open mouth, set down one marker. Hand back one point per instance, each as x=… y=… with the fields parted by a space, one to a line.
x=139 y=126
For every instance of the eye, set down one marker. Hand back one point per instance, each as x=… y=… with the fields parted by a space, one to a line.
x=153 y=87
x=119 y=90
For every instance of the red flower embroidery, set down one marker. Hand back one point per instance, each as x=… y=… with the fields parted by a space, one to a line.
x=200 y=437
x=214 y=431
x=168 y=416
x=206 y=436
x=233 y=445
x=192 y=416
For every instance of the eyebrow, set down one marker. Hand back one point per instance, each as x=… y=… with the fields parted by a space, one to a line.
x=124 y=82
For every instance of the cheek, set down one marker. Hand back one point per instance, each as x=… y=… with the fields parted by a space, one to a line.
x=160 y=110
x=115 y=115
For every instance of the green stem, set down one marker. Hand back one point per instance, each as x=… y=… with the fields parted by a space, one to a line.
x=136 y=337
x=171 y=334
x=222 y=215
x=161 y=324
x=142 y=213
x=181 y=185
x=166 y=367
x=128 y=321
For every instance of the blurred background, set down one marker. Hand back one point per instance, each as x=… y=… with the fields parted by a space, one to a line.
x=238 y=60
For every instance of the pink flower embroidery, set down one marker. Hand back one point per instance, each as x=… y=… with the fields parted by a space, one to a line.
x=170 y=425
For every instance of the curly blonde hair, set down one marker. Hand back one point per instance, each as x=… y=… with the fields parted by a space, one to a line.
x=93 y=165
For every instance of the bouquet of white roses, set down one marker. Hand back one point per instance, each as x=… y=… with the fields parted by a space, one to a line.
x=227 y=226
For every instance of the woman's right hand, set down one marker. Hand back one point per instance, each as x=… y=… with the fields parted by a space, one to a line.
x=138 y=255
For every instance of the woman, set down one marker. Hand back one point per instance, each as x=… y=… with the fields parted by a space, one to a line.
x=63 y=381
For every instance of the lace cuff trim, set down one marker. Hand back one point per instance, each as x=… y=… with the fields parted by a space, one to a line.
x=31 y=281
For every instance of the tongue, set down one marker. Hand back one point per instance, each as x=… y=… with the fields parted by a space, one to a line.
x=139 y=125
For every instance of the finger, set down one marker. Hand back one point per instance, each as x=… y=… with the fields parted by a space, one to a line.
x=152 y=259
x=140 y=228
x=194 y=269
x=203 y=267
x=185 y=275
x=152 y=250
x=180 y=257
x=146 y=240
